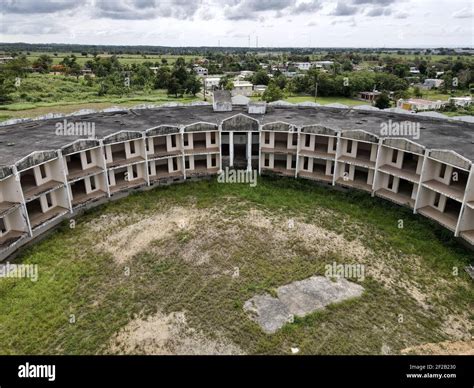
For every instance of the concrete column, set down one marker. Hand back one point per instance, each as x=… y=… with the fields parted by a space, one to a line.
x=231 y=149
x=147 y=176
x=249 y=151
x=377 y=164
x=62 y=163
x=104 y=166
x=423 y=172
x=181 y=137
x=338 y=152
x=259 y=149
x=219 y=139
x=298 y=146
x=470 y=180
x=23 y=209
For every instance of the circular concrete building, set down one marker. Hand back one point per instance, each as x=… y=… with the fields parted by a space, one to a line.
x=54 y=168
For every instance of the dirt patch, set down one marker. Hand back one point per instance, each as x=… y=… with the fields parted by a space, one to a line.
x=448 y=348
x=161 y=334
x=124 y=241
x=299 y=298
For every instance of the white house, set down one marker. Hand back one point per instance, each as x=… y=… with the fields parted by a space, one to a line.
x=431 y=83
x=460 y=101
x=418 y=104
x=243 y=88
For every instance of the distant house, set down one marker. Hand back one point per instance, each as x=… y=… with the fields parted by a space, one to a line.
x=5 y=59
x=212 y=83
x=369 y=96
x=304 y=66
x=414 y=70
x=431 y=83
x=322 y=64
x=87 y=72
x=418 y=104
x=259 y=89
x=199 y=70
x=461 y=101
x=243 y=88
x=154 y=69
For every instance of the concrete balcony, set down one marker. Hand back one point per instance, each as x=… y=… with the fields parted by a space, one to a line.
x=468 y=235
x=165 y=153
x=448 y=220
x=399 y=199
x=164 y=175
x=450 y=191
x=10 y=238
x=8 y=207
x=361 y=162
x=83 y=198
x=121 y=161
x=124 y=185
x=408 y=175
x=33 y=192
x=77 y=174
x=315 y=175
x=355 y=184
x=317 y=154
x=38 y=218
x=202 y=149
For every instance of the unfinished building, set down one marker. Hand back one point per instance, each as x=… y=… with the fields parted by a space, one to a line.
x=45 y=181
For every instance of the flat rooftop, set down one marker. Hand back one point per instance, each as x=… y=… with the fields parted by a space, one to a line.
x=20 y=140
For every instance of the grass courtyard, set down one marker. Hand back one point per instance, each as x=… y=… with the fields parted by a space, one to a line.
x=168 y=270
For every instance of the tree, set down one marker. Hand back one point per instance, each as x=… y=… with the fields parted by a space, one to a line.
x=193 y=85
x=272 y=93
x=6 y=88
x=43 y=63
x=382 y=101
x=261 y=78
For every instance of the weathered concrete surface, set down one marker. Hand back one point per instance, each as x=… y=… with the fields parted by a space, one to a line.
x=298 y=298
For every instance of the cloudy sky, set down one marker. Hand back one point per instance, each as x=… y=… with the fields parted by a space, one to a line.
x=277 y=23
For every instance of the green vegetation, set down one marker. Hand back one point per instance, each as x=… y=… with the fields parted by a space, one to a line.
x=78 y=276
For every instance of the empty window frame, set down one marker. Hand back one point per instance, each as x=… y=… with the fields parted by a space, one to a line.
x=442 y=171
x=132 y=147
x=42 y=169
x=88 y=157
x=93 y=183
x=349 y=146
x=394 y=156
x=49 y=200
x=3 y=227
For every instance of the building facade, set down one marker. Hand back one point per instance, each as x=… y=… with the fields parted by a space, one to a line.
x=40 y=190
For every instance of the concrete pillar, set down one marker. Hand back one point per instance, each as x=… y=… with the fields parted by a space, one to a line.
x=249 y=151
x=231 y=149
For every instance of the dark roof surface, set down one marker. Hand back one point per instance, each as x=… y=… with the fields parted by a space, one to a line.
x=19 y=140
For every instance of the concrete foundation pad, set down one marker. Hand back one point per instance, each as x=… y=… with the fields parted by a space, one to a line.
x=298 y=298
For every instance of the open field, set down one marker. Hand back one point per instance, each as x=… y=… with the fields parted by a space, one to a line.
x=167 y=271
x=126 y=59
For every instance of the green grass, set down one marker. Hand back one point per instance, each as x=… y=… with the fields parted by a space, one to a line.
x=77 y=277
x=325 y=100
x=43 y=93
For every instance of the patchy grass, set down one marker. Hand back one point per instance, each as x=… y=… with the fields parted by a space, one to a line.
x=411 y=295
